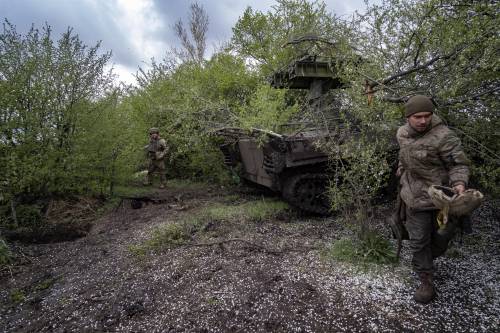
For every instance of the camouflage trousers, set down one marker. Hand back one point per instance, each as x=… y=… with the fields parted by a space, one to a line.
x=158 y=167
x=425 y=243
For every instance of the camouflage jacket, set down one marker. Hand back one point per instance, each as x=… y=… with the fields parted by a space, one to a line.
x=432 y=157
x=157 y=149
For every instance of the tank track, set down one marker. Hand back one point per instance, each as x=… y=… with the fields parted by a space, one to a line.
x=308 y=191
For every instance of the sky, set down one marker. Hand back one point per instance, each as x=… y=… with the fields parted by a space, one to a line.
x=137 y=30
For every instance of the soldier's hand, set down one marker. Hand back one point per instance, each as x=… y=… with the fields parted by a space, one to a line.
x=460 y=188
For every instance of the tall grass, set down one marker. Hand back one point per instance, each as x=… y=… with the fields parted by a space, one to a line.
x=371 y=248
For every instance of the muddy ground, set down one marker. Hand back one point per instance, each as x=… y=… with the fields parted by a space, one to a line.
x=263 y=276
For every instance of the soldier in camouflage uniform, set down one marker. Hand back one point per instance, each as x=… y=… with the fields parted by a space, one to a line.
x=157 y=150
x=430 y=154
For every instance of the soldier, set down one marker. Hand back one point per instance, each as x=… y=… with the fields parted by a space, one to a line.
x=430 y=154
x=157 y=150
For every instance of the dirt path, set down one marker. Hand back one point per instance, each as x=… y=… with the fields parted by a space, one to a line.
x=285 y=284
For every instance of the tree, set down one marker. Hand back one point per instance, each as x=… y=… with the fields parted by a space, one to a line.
x=190 y=102
x=45 y=90
x=194 y=47
x=260 y=37
x=445 y=49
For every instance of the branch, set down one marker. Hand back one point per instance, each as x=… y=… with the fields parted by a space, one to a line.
x=392 y=99
x=417 y=53
x=473 y=97
x=198 y=25
x=416 y=68
x=413 y=69
x=184 y=38
x=414 y=34
x=494 y=155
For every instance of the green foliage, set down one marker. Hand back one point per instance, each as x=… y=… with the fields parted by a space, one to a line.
x=28 y=216
x=133 y=190
x=371 y=248
x=47 y=90
x=107 y=149
x=266 y=110
x=362 y=162
x=260 y=36
x=231 y=198
x=187 y=104
x=187 y=184
x=173 y=234
x=362 y=168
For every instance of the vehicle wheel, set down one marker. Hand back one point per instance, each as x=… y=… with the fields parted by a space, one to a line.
x=308 y=192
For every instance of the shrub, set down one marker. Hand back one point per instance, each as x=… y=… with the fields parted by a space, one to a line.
x=371 y=248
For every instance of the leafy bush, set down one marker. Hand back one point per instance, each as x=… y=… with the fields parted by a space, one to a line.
x=173 y=234
x=371 y=248
x=61 y=130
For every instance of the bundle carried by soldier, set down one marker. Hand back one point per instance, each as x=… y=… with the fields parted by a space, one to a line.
x=452 y=204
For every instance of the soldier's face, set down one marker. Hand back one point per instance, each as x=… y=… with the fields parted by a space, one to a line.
x=420 y=121
x=153 y=136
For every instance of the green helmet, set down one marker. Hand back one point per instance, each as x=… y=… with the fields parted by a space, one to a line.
x=418 y=103
x=154 y=130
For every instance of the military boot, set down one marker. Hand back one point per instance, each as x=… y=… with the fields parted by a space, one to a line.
x=163 y=181
x=425 y=292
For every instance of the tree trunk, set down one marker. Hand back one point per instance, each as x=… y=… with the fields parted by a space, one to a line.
x=13 y=211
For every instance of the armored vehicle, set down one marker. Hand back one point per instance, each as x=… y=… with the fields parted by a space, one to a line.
x=287 y=164
x=290 y=164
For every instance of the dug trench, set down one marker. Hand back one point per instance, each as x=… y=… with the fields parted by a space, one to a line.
x=270 y=273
